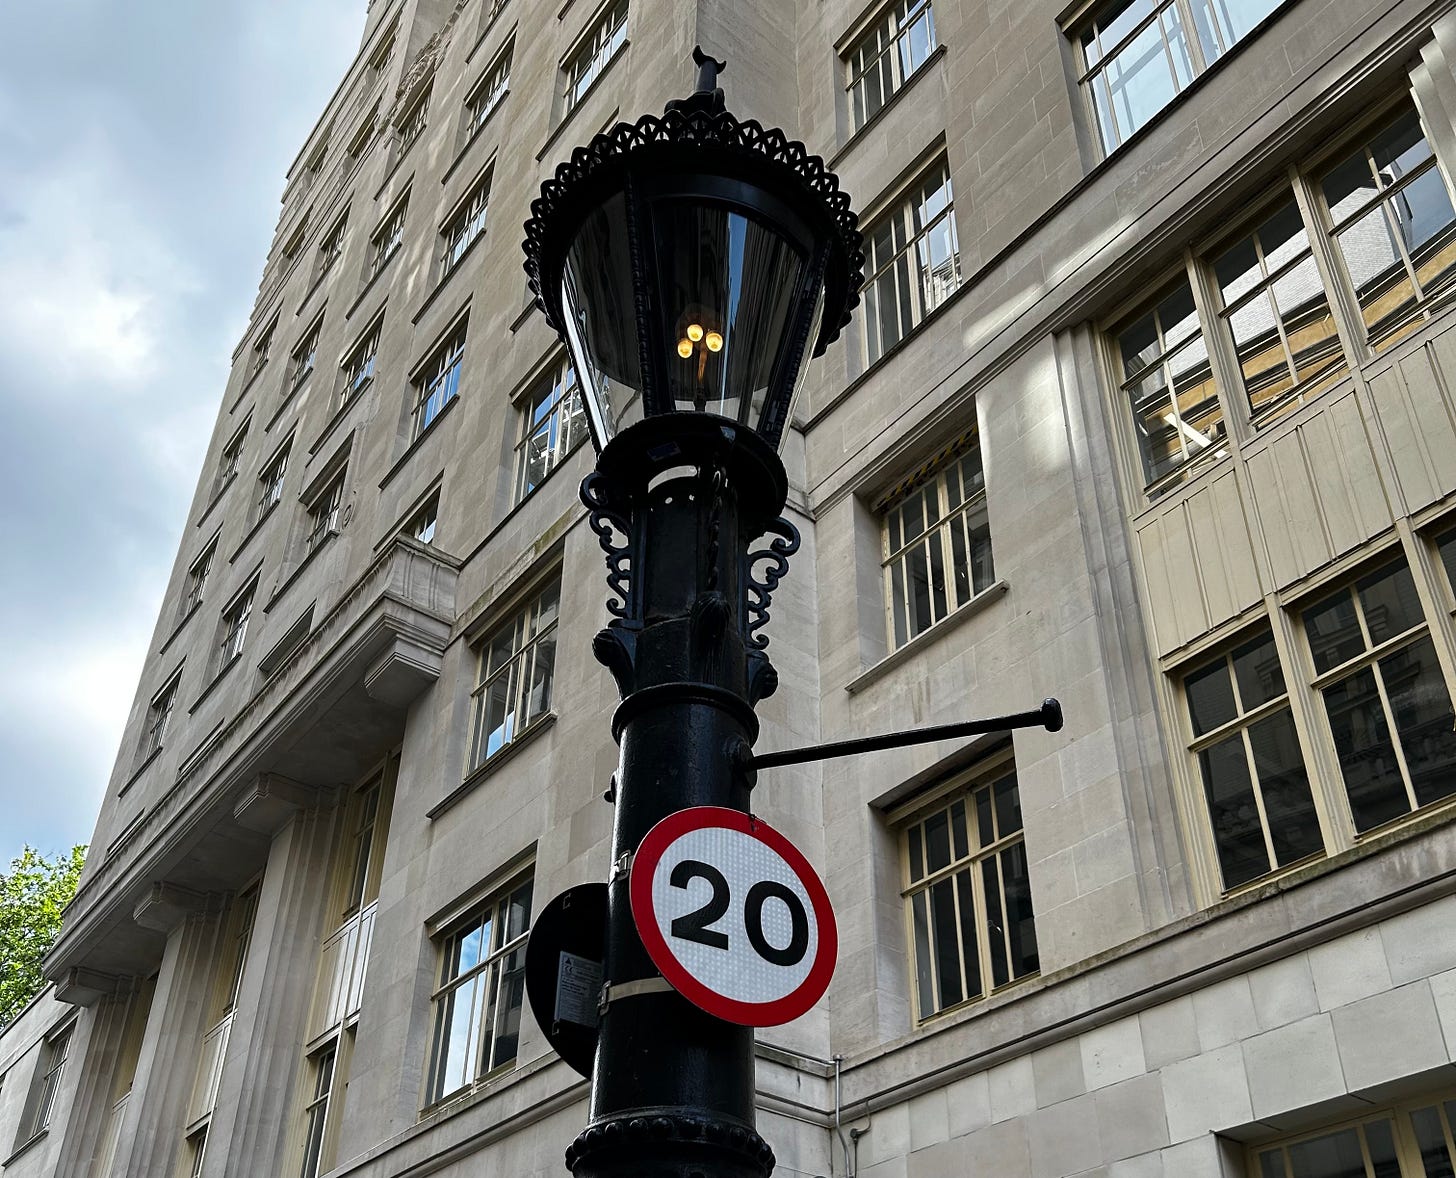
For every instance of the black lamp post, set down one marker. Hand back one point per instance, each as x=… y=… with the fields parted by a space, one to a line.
x=693 y=263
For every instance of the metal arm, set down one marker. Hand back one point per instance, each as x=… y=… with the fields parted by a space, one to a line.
x=1048 y=716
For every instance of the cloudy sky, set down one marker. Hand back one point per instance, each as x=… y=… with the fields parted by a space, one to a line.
x=143 y=145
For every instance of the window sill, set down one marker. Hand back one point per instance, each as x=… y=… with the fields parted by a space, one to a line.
x=570 y=116
x=373 y=279
x=216 y=680
x=884 y=359
x=253 y=531
x=525 y=314
x=25 y=1146
x=527 y=736
x=342 y=412
x=292 y=577
x=414 y=446
x=854 y=140
x=179 y=627
x=917 y=645
x=136 y=773
x=474 y=135
x=440 y=286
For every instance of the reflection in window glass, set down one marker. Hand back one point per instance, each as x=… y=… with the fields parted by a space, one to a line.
x=517 y=671
x=887 y=56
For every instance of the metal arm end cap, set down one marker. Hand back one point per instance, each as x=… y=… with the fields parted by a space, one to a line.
x=1051 y=715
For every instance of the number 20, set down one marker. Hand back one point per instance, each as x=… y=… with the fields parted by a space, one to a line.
x=697 y=926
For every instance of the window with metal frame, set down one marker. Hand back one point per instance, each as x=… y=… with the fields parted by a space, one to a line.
x=365 y=848
x=231 y=457
x=413 y=121
x=937 y=541
x=1260 y=804
x=387 y=239
x=363 y=137
x=305 y=352
x=262 y=348
x=1385 y=697
x=323 y=512
x=465 y=224
x=595 y=52
x=1138 y=55
x=358 y=365
x=967 y=891
x=422 y=524
x=270 y=481
x=294 y=245
x=1392 y=221
x=46 y=1083
x=197 y=575
x=439 y=382
x=912 y=261
x=159 y=716
x=316 y=1112
x=234 y=628
x=1412 y=1140
x=197 y=1150
x=331 y=245
x=885 y=58
x=553 y=422
x=517 y=673
x=486 y=94
x=477 y=1005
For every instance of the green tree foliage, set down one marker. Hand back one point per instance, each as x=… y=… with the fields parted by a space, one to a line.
x=33 y=894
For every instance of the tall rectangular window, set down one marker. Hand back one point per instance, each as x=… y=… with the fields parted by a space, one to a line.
x=159 y=717
x=41 y=1101
x=388 y=237
x=465 y=224
x=477 y=1005
x=231 y=457
x=412 y=123
x=1137 y=55
x=358 y=366
x=234 y=628
x=331 y=246
x=912 y=261
x=270 y=481
x=486 y=94
x=517 y=671
x=323 y=512
x=1255 y=785
x=968 y=893
x=598 y=47
x=885 y=58
x=422 y=524
x=937 y=543
x=553 y=421
x=1415 y=1140
x=262 y=348
x=305 y=352
x=438 y=382
x=1384 y=695
x=197 y=578
x=316 y=1112
x=1394 y=227
x=1166 y=378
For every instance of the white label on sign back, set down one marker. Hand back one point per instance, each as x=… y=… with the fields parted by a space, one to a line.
x=735 y=914
x=578 y=984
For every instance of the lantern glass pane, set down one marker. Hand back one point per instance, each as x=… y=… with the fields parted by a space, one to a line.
x=729 y=287
x=598 y=309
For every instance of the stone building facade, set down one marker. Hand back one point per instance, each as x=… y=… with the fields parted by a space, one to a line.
x=1150 y=405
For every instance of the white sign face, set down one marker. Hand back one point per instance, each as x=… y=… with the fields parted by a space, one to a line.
x=733 y=915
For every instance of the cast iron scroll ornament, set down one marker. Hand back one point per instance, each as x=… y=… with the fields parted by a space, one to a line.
x=761 y=582
x=609 y=523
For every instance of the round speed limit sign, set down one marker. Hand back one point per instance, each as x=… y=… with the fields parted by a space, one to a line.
x=733 y=915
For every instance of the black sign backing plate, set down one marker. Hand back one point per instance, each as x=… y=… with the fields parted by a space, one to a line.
x=564 y=956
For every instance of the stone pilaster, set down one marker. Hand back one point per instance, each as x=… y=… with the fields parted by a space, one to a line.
x=1433 y=86
x=96 y=1082
x=252 y=1128
x=151 y=1134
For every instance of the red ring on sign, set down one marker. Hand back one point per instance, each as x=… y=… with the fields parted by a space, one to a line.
x=749 y=1014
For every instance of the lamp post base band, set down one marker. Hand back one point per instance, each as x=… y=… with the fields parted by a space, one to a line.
x=668 y=1143
x=675 y=694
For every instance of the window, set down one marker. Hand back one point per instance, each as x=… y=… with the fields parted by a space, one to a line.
x=365 y=813
x=294 y=245
x=47 y=1081
x=197 y=1152
x=438 y=382
x=323 y=512
x=1390 y=250
x=197 y=578
x=331 y=246
x=270 y=481
x=482 y=100
x=412 y=122
x=477 y=1007
x=554 y=421
x=882 y=61
x=363 y=137
x=1394 y=228
x=912 y=260
x=261 y=349
x=239 y=940
x=235 y=627
x=1166 y=378
x=937 y=543
x=316 y=1112
x=422 y=524
x=517 y=666
x=967 y=895
x=1254 y=780
x=382 y=55
x=358 y=366
x=1446 y=550
x=389 y=236
x=231 y=458
x=305 y=352
x=598 y=47
x=159 y=715
x=465 y=224
x=1412 y=1141
x=1384 y=695
x=1137 y=55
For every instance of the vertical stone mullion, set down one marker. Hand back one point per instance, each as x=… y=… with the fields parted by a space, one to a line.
x=92 y=1099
